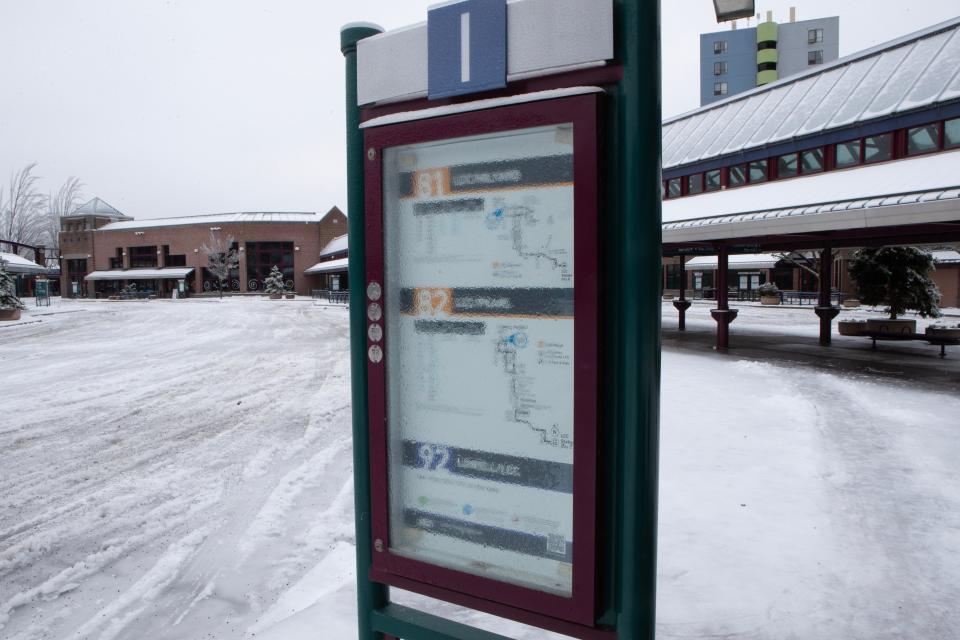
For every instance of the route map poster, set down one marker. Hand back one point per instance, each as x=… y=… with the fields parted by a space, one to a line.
x=479 y=311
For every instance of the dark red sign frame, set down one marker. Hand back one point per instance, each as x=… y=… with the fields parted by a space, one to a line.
x=504 y=599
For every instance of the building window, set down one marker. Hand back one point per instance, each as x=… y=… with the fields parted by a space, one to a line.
x=848 y=154
x=767 y=66
x=951 y=133
x=116 y=262
x=173 y=260
x=878 y=148
x=814 y=36
x=712 y=180
x=815 y=57
x=787 y=165
x=720 y=68
x=695 y=184
x=811 y=161
x=672 y=276
x=766 y=44
x=719 y=88
x=758 y=171
x=143 y=257
x=673 y=188
x=738 y=175
x=263 y=256
x=923 y=139
x=719 y=46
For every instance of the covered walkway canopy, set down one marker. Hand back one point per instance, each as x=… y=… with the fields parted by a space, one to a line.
x=861 y=152
x=170 y=273
x=330 y=266
x=14 y=263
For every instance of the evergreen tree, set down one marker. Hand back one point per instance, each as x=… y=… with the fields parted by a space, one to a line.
x=274 y=282
x=897 y=277
x=8 y=291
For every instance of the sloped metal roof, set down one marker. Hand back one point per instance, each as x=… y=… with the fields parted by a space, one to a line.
x=336 y=245
x=216 y=218
x=97 y=207
x=330 y=266
x=14 y=263
x=903 y=75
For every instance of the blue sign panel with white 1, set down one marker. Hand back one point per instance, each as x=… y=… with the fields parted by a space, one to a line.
x=466 y=47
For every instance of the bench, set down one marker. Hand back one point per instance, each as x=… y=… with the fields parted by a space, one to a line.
x=902 y=337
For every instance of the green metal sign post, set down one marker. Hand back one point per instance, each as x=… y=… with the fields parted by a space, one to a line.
x=628 y=321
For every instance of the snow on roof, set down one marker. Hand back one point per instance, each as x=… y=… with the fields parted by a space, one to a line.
x=141 y=274
x=936 y=172
x=97 y=207
x=217 y=218
x=946 y=257
x=745 y=261
x=329 y=266
x=912 y=72
x=14 y=263
x=336 y=245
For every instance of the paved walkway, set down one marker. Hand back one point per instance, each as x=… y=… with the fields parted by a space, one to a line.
x=789 y=335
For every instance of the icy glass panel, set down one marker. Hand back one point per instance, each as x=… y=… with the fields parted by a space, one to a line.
x=673 y=188
x=936 y=76
x=695 y=183
x=758 y=171
x=479 y=263
x=848 y=154
x=838 y=96
x=782 y=112
x=807 y=105
x=811 y=161
x=923 y=139
x=712 y=180
x=951 y=134
x=895 y=90
x=878 y=148
x=860 y=98
x=787 y=165
x=737 y=176
x=758 y=109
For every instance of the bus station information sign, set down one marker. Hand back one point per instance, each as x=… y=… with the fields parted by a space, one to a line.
x=483 y=354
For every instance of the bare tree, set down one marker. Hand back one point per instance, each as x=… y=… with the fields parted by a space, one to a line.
x=20 y=219
x=222 y=258
x=65 y=202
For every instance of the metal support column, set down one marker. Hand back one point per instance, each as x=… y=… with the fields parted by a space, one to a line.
x=682 y=304
x=370 y=595
x=825 y=309
x=723 y=314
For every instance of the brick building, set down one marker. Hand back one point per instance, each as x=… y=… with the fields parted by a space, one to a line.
x=103 y=250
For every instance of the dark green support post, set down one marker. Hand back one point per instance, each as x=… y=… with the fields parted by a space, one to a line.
x=635 y=234
x=370 y=595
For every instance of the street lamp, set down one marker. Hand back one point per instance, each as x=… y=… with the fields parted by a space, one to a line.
x=732 y=9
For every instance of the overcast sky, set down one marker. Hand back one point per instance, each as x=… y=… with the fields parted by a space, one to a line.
x=166 y=108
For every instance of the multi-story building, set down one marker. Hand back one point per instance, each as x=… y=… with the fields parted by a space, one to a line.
x=103 y=250
x=735 y=61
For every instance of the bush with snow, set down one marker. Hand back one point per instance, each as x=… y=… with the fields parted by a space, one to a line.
x=898 y=278
x=8 y=291
x=274 y=282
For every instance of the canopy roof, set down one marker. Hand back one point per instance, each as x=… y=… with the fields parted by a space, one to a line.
x=174 y=273
x=745 y=261
x=14 y=263
x=330 y=266
x=904 y=75
x=914 y=191
x=99 y=208
x=336 y=245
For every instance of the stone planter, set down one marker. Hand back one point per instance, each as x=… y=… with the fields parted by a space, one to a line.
x=851 y=303
x=770 y=300
x=943 y=332
x=291 y=296
x=9 y=314
x=895 y=327
x=276 y=296
x=851 y=327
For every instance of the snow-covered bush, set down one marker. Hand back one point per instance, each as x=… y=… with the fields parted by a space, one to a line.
x=8 y=291
x=274 y=282
x=898 y=278
x=768 y=289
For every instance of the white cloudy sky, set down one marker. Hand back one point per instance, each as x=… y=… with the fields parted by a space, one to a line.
x=165 y=107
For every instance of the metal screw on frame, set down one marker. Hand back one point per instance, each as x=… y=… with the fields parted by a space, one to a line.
x=371 y=153
x=378 y=545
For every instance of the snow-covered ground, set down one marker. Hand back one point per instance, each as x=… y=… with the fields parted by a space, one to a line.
x=182 y=470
